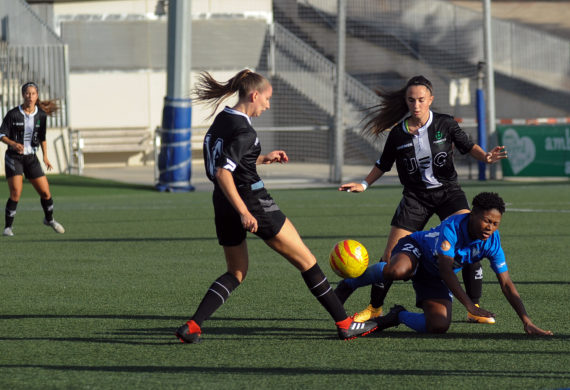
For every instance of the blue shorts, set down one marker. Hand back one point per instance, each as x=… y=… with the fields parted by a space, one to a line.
x=426 y=284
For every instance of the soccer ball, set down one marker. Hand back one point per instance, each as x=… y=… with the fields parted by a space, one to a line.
x=349 y=259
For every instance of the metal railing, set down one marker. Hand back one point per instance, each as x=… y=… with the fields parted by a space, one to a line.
x=46 y=65
x=31 y=51
x=519 y=51
x=313 y=75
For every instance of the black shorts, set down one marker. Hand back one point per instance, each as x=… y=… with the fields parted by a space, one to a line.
x=230 y=232
x=416 y=208
x=19 y=164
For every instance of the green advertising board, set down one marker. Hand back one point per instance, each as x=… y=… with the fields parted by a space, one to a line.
x=536 y=150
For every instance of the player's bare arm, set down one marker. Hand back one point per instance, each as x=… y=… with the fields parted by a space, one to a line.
x=13 y=144
x=450 y=278
x=374 y=175
x=272 y=157
x=226 y=182
x=496 y=154
x=510 y=291
x=45 y=155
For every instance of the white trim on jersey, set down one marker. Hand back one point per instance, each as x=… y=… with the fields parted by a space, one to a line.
x=230 y=165
x=236 y=112
x=29 y=124
x=422 y=149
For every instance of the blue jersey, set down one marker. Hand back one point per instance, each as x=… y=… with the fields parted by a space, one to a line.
x=462 y=249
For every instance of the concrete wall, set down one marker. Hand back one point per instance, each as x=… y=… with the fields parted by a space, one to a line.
x=148 y=7
x=127 y=99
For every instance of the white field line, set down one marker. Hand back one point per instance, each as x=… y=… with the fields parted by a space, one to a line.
x=537 y=210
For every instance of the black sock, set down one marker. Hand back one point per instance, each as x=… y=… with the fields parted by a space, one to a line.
x=216 y=296
x=10 y=212
x=317 y=282
x=378 y=293
x=47 y=205
x=473 y=281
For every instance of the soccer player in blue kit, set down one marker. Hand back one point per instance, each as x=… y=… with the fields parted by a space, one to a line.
x=431 y=259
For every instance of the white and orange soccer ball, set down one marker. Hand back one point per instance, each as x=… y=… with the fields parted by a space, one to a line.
x=349 y=259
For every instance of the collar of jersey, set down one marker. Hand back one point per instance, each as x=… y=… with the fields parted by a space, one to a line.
x=236 y=112
x=421 y=129
x=24 y=113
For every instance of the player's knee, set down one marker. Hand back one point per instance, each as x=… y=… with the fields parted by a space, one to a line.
x=394 y=272
x=44 y=194
x=437 y=327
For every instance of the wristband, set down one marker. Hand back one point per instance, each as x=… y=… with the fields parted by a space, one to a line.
x=364 y=184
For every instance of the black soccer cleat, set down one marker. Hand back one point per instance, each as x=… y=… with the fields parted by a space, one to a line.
x=391 y=319
x=343 y=291
x=356 y=329
x=189 y=333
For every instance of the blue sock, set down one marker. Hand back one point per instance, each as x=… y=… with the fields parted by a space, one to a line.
x=373 y=274
x=415 y=321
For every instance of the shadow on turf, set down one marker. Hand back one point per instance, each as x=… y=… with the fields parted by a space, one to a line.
x=87 y=182
x=165 y=335
x=132 y=239
x=265 y=371
x=467 y=336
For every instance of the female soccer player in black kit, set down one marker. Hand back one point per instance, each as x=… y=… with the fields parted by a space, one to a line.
x=421 y=145
x=242 y=204
x=23 y=130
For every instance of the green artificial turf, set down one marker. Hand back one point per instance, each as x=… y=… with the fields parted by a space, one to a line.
x=96 y=308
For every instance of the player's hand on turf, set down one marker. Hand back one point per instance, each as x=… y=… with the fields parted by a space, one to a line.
x=532 y=329
x=249 y=222
x=480 y=312
x=498 y=153
x=351 y=187
x=275 y=156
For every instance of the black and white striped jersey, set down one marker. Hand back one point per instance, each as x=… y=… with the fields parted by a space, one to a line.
x=14 y=127
x=232 y=143
x=425 y=160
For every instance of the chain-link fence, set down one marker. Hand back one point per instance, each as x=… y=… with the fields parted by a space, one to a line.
x=387 y=42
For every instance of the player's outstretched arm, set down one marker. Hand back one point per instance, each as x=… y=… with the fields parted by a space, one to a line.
x=447 y=274
x=498 y=153
x=512 y=295
x=272 y=157
x=374 y=175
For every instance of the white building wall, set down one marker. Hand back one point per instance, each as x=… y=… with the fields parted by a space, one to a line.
x=124 y=99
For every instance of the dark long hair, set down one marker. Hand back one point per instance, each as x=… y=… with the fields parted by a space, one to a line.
x=392 y=108
x=48 y=106
x=210 y=91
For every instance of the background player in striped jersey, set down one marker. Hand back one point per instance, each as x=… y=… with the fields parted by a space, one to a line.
x=242 y=204
x=23 y=130
x=421 y=144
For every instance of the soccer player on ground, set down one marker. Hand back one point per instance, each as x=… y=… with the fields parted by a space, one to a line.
x=23 y=130
x=242 y=204
x=432 y=258
x=421 y=144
